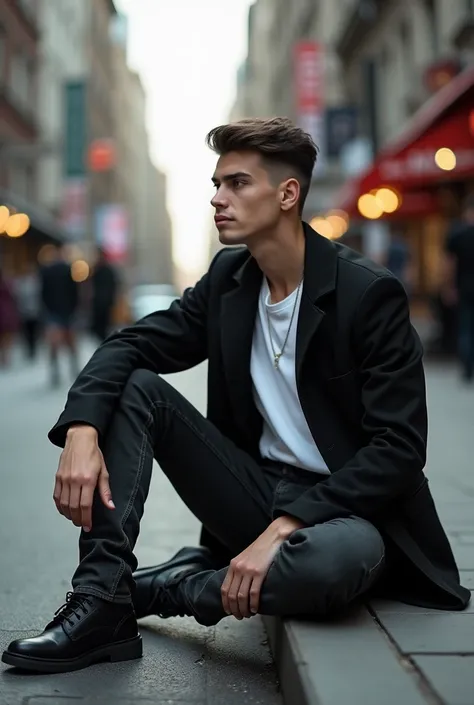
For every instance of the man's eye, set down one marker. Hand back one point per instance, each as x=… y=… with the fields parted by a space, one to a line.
x=237 y=183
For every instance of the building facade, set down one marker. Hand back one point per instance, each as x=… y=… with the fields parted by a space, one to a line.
x=374 y=69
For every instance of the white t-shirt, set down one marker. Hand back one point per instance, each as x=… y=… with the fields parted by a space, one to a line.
x=286 y=436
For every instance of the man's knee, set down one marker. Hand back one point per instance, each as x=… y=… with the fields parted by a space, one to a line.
x=332 y=563
x=145 y=382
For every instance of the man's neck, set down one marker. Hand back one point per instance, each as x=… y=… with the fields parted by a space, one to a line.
x=281 y=259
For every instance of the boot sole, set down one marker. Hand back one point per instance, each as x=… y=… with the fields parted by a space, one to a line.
x=120 y=651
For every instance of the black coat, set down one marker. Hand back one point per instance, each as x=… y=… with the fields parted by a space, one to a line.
x=360 y=381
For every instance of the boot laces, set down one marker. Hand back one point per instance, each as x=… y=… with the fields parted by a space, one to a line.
x=167 y=603
x=76 y=604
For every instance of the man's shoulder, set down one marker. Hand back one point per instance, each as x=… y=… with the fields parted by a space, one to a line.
x=357 y=271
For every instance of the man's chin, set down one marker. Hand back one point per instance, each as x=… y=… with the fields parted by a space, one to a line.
x=231 y=238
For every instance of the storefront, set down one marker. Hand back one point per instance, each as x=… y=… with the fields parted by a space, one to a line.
x=22 y=238
x=418 y=182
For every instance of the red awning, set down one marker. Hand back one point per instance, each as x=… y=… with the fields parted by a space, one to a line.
x=408 y=165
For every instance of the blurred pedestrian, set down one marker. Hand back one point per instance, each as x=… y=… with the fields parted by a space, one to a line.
x=60 y=297
x=398 y=259
x=8 y=319
x=28 y=296
x=104 y=284
x=459 y=285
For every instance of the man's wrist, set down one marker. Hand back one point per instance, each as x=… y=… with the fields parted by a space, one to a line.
x=286 y=525
x=82 y=429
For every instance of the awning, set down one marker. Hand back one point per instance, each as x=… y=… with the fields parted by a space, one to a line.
x=40 y=219
x=408 y=165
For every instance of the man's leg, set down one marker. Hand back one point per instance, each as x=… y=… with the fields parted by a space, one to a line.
x=318 y=571
x=222 y=485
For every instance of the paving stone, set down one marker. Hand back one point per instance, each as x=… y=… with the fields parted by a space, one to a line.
x=451 y=676
x=443 y=632
x=464 y=555
x=392 y=607
x=467 y=578
x=350 y=661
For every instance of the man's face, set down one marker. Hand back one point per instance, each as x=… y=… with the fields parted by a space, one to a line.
x=247 y=201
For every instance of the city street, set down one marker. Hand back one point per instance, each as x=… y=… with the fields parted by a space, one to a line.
x=183 y=662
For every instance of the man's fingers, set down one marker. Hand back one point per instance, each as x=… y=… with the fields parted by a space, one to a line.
x=87 y=497
x=225 y=590
x=64 y=500
x=243 y=596
x=255 y=590
x=74 y=500
x=104 y=490
x=57 y=494
x=233 y=596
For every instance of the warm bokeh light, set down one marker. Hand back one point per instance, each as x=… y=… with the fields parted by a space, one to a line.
x=369 y=206
x=73 y=252
x=17 y=225
x=338 y=224
x=445 y=159
x=4 y=216
x=80 y=270
x=322 y=226
x=471 y=122
x=388 y=199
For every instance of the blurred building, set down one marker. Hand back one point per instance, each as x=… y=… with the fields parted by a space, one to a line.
x=370 y=78
x=22 y=142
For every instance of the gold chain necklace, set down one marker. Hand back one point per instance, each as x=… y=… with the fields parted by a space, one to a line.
x=277 y=355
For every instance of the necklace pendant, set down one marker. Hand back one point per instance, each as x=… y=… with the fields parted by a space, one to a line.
x=276 y=360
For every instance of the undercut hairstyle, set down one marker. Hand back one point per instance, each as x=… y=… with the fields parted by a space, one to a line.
x=286 y=150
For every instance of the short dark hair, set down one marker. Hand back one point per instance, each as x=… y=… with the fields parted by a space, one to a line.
x=278 y=140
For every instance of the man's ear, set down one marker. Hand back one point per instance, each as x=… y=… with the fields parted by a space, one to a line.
x=290 y=191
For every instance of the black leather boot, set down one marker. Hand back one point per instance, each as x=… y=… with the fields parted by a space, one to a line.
x=84 y=631
x=156 y=587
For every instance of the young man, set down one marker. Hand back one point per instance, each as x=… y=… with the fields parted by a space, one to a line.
x=307 y=472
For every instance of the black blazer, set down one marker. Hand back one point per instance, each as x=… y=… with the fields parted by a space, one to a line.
x=360 y=381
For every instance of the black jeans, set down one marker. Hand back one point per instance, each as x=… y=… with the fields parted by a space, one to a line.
x=234 y=498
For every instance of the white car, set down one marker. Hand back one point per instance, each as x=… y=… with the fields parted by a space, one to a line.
x=148 y=298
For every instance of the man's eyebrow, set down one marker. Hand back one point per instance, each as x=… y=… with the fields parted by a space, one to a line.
x=231 y=177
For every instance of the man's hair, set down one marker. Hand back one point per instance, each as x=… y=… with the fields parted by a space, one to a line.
x=279 y=142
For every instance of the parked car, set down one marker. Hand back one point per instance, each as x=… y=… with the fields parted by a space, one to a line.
x=148 y=298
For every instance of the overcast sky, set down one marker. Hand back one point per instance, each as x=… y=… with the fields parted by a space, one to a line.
x=188 y=53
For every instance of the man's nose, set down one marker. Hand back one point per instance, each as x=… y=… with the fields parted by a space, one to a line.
x=219 y=200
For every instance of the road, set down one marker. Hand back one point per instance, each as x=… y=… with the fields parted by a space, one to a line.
x=183 y=662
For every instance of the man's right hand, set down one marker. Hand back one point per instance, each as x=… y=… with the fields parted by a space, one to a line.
x=81 y=469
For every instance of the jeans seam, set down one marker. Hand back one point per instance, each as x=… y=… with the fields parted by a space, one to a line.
x=86 y=590
x=210 y=445
x=129 y=506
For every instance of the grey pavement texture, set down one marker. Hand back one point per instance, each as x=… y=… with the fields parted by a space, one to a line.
x=392 y=653
x=183 y=663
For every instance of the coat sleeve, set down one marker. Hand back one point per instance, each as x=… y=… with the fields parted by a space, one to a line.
x=389 y=361
x=163 y=342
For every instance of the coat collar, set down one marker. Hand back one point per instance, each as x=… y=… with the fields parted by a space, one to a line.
x=320 y=266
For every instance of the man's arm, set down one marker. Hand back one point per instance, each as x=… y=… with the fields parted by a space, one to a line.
x=389 y=356
x=164 y=342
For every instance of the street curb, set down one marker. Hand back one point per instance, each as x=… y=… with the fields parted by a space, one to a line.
x=295 y=684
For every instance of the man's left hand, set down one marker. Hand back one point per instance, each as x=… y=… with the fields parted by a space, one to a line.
x=241 y=587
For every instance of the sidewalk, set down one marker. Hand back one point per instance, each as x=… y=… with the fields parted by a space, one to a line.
x=183 y=662
x=394 y=654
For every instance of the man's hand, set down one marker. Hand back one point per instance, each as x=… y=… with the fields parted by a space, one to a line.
x=241 y=587
x=81 y=469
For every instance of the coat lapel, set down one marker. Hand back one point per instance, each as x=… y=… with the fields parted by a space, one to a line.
x=238 y=311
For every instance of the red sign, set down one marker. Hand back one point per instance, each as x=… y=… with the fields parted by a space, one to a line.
x=101 y=155
x=309 y=77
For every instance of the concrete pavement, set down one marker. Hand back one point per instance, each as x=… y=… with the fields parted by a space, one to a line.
x=183 y=662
